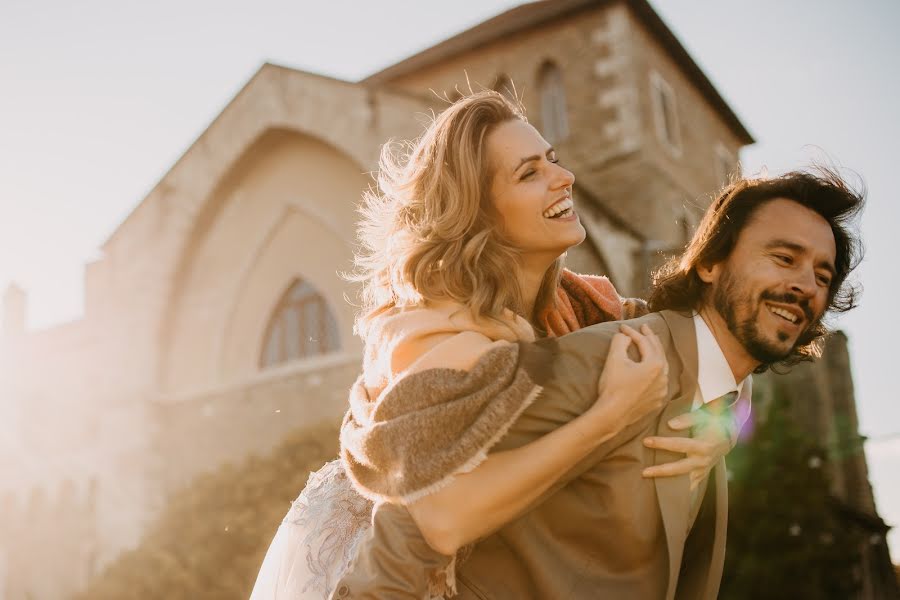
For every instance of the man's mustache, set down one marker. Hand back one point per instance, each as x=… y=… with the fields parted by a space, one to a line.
x=791 y=298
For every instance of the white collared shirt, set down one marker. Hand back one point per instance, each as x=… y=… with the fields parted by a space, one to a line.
x=714 y=380
x=714 y=376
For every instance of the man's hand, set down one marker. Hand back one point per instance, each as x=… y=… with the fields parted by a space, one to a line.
x=713 y=436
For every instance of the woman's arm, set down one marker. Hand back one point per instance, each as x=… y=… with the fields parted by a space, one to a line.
x=476 y=503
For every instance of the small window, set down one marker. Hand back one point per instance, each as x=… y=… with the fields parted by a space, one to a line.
x=554 y=115
x=666 y=112
x=725 y=164
x=301 y=326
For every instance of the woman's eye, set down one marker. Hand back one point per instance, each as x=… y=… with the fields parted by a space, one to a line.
x=527 y=174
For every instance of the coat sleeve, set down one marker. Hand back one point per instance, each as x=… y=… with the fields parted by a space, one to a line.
x=571 y=389
x=392 y=561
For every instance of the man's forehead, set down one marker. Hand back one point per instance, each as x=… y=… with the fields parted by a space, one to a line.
x=790 y=221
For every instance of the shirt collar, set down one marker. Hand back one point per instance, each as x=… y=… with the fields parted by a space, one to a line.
x=714 y=376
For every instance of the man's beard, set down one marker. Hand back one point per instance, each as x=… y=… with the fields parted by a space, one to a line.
x=728 y=296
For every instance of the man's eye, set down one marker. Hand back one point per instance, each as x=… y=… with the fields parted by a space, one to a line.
x=824 y=280
x=784 y=259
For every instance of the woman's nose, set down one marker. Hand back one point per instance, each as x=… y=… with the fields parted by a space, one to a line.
x=565 y=177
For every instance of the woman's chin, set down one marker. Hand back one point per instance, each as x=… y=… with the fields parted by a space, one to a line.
x=570 y=243
x=578 y=235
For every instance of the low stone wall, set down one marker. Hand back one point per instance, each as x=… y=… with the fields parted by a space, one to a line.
x=201 y=433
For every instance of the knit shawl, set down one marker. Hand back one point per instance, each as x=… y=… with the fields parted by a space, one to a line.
x=440 y=387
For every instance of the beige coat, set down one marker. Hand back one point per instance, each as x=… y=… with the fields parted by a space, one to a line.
x=603 y=531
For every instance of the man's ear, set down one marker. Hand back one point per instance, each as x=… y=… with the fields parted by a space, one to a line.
x=708 y=273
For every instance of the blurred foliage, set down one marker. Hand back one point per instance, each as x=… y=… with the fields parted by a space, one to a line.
x=785 y=538
x=210 y=541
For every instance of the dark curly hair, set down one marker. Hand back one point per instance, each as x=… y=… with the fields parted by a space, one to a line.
x=677 y=286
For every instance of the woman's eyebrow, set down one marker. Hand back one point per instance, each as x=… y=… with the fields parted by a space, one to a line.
x=528 y=159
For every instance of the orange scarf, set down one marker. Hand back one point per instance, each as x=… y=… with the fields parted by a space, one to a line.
x=583 y=300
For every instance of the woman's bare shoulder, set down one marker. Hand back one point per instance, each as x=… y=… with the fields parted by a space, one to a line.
x=413 y=338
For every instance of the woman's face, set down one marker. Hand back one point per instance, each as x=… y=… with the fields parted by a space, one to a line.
x=532 y=193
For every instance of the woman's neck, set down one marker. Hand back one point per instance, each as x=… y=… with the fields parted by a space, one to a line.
x=530 y=279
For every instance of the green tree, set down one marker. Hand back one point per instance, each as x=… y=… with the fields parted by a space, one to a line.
x=785 y=538
x=211 y=539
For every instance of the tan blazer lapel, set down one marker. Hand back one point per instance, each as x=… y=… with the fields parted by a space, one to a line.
x=718 y=550
x=673 y=493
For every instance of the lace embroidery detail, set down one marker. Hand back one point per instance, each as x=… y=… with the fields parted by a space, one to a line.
x=335 y=518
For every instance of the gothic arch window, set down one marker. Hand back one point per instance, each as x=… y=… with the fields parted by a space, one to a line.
x=668 y=127
x=301 y=326
x=554 y=115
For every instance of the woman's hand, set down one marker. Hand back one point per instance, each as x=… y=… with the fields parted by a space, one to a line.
x=713 y=436
x=629 y=390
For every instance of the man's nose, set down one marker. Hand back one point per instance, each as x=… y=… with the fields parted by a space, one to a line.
x=804 y=283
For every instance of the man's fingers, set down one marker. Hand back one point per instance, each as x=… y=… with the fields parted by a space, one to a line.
x=675 y=444
x=688 y=420
x=705 y=426
x=678 y=467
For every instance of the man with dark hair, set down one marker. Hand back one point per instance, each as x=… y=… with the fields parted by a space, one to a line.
x=682 y=283
x=769 y=260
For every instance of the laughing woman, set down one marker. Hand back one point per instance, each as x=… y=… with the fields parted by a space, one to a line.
x=462 y=271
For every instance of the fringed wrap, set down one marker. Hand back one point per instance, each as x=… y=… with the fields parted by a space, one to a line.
x=432 y=424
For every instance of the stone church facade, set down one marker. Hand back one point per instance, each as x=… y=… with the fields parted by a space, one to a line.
x=216 y=323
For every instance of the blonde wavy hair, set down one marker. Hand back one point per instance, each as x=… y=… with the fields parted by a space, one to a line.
x=429 y=232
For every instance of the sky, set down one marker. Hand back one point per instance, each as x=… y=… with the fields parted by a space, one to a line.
x=99 y=98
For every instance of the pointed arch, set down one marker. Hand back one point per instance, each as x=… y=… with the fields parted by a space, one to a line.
x=302 y=325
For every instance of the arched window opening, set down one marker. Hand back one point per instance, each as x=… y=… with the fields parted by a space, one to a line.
x=668 y=128
x=554 y=115
x=301 y=326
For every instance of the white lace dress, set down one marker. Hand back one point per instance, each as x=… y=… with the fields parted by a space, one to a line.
x=316 y=540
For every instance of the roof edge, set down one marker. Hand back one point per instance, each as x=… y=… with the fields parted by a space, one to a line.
x=266 y=66
x=535 y=14
x=658 y=27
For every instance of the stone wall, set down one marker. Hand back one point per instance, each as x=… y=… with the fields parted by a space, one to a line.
x=48 y=542
x=608 y=58
x=202 y=432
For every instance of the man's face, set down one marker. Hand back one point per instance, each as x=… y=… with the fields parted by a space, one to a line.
x=775 y=283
